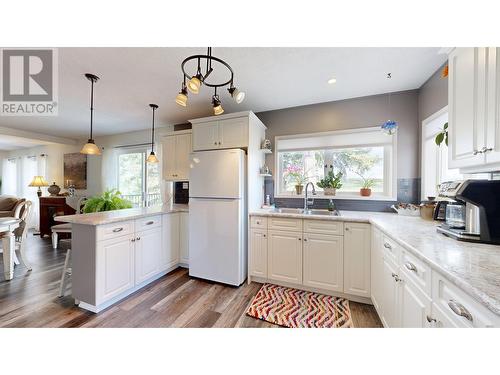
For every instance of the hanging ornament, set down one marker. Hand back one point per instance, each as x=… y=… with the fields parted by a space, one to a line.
x=389 y=127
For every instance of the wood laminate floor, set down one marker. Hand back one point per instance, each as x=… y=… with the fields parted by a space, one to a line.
x=175 y=300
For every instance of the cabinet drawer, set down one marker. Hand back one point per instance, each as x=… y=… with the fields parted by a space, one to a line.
x=460 y=308
x=114 y=230
x=391 y=249
x=280 y=223
x=149 y=222
x=258 y=222
x=417 y=271
x=324 y=227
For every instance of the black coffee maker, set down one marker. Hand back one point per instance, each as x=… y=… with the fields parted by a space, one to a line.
x=481 y=200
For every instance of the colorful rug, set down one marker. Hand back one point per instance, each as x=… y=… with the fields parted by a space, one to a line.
x=295 y=308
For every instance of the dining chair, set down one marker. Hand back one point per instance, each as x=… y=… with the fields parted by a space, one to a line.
x=66 y=227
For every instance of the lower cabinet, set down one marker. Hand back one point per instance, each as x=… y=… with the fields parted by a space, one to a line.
x=147 y=254
x=414 y=306
x=169 y=254
x=184 y=238
x=376 y=269
x=114 y=267
x=357 y=246
x=389 y=302
x=258 y=253
x=323 y=261
x=285 y=256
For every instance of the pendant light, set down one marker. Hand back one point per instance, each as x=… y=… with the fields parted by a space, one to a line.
x=218 y=110
x=181 y=97
x=390 y=127
x=152 y=157
x=236 y=94
x=90 y=147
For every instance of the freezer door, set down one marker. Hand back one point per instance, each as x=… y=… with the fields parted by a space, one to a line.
x=217 y=174
x=216 y=241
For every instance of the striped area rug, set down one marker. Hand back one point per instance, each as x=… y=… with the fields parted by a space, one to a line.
x=295 y=308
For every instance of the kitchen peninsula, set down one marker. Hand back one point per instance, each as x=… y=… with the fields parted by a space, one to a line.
x=116 y=253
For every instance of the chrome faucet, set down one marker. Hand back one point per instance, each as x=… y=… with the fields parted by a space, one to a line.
x=306 y=199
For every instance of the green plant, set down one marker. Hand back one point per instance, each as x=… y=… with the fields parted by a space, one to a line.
x=331 y=181
x=442 y=136
x=368 y=183
x=296 y=174
x=109 y=200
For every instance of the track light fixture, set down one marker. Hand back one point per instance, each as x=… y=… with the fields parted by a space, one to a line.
x=203 y=71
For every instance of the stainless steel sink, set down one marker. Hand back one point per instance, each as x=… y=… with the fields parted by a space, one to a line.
x=322 y=212
x=289 y=210
x=301 y=211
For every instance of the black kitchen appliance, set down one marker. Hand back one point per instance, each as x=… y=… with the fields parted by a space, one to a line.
x=480 y=202
x=181 y=192
x=440 y=210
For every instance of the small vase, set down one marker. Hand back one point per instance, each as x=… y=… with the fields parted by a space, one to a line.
x=54 y=190
x=298 y=189
x=329 y=191
x=365 y=192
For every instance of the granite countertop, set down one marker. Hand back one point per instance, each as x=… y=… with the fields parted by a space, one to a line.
x=100 y=218
x=475 y=268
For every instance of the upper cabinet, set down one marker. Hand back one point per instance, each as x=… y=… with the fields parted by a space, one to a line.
x=216 y=134
x=474 y=109
x=175 y=151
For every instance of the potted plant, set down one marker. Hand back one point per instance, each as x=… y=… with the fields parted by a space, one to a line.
x=296 y=175
x=330 y=183
x=109 y=200
x=366 y=190
x=442 y=136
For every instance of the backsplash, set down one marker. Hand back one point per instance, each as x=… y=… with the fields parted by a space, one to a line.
x=408 y=192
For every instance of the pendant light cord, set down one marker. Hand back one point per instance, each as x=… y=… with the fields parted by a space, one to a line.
x=153 y=132
x=91 y=106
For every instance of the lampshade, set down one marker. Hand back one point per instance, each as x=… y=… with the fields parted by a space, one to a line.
x=181 y=99
x=152 y=158
x=38 y=181
x=236 y=94
x=194 y=85
x=218 y=110
x=90 y=148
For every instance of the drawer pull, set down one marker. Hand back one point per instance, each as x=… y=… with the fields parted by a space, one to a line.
x=396 y=277
x=430 y=320
x=116 y=230
x=410 y=266
x=150 y=223
x=138 y=238
x=387 y=246
x=459 y=309
x=305 y=239
x=258 y=222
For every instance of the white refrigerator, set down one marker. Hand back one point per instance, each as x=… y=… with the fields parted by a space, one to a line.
x=217 y=216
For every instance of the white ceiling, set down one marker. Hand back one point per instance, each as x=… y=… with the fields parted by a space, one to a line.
x=9 y=143
x=272 y=78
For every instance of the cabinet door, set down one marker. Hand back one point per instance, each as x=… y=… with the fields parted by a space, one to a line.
x=465 y=97
x=389 y=299
x=233 y=133
x=205 y=136
x=169 y=254
x=414 y=306
x=182 y=152
x=323 y=261
x=493 y=106
x=357 y=259
x=441 y=320
x=114 y=267
x=169 y=156
x=376 y=269
x=285 y=256
x=184 y=238
x=147 y=254
x=258 y=252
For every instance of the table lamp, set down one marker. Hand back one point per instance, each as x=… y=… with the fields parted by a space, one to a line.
x=38 y=181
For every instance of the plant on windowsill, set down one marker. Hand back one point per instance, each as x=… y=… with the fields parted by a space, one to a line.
x=366 y=190
x=330 y=183
x=110 y=200
x=298 y=176
x=442 y=136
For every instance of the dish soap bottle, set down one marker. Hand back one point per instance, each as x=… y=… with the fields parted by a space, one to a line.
x=331 y=205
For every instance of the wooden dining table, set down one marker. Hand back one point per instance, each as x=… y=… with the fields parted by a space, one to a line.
x=7 y=227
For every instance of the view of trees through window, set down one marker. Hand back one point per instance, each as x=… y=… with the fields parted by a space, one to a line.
x=356 y=164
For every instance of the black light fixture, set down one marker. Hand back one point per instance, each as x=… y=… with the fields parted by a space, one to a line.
x=195 y=81
x=90 y=147
x=152 y=157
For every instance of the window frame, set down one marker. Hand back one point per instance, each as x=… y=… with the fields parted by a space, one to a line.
x=390 y=164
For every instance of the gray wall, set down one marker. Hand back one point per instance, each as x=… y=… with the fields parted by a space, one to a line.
x=433 y=95
x=357 y=113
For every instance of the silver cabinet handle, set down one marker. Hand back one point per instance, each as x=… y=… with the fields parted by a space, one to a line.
x=475 y=152
x=430 y=319
x=459 y=309
x=410 y=266
x=300 y=239
x=486 y=149
x=116 y=230
x=132 y=240
x=396 y=277
x=150 y=222
x=387 y=246
x=138 y=238
x=305 y=239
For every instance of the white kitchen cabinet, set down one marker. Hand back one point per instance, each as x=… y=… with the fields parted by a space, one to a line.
x=184 y=238
x=390 y=297
x=169 y=254
x=492 y=138
x=376 y=269
x=323 y=261
x=147 y=254
x=285 y=256
x=414 y=306
x=357 y=246
x=216 y=134
x=114 y=267
x=258 y=252
x=176 y=150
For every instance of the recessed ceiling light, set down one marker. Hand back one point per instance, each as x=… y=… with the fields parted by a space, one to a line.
x=332 y=81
